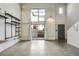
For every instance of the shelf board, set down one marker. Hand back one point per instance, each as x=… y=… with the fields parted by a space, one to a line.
x=13 y=36
x=18 y=19
x=16 y=35
x=17 y=31
x=15 y=22
x=10 y=23
x=18 y=27
x=7 y=22
x=13 y=16
x=8 y=37
x=3 y=16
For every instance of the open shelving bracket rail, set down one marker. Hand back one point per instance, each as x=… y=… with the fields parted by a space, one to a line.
x=15 y=23
x=3 y=16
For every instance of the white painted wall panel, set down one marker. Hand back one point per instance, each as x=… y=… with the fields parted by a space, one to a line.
x=73 y=24
x=73 y=35
x=2 y=29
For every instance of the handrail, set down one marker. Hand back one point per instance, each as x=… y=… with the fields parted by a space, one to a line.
x=73 y=25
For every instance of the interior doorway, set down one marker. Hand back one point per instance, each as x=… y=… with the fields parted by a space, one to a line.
x=61 y=32
x=37 y=26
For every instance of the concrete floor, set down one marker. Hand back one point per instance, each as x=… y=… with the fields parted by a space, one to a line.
x=41 y=48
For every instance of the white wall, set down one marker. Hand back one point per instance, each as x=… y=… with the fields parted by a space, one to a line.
x=51 y=10
x=15 y=10
x=2 y=29
x=61 y=18
x=72 y=14
x=73 y=35
x=12 y=8
x=73 y=24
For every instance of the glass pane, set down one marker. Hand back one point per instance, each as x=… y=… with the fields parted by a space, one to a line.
x=35 y=14
x=40 y=27
x=41 y=19
x=41 y=10
x=34 y=10
x=41 y=14
x=34 y=18
x=34 y=30
x=41 y=31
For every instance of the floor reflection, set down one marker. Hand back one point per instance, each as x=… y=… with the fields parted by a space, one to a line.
x=37 y=47
x=41 y=48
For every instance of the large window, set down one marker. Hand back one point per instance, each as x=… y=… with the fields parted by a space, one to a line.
x=60 y=10
x=37 y=15
x=37 y=23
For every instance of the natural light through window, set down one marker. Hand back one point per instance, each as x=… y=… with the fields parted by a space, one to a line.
x=60 y=10
x=37 y=15
x=40 y=27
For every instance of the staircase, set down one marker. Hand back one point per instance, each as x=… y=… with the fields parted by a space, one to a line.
x=73 y=35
